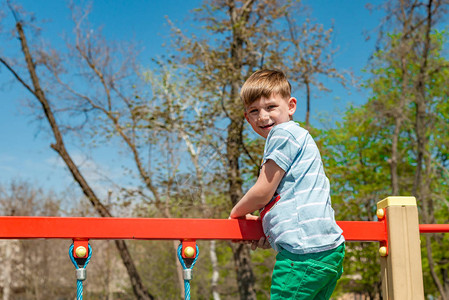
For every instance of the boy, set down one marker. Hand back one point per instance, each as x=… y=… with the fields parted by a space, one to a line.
x=292 y=193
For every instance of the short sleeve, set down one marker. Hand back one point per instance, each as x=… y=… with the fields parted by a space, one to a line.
x=282 y=148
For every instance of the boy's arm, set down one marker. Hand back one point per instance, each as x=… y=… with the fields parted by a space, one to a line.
x=262 y=191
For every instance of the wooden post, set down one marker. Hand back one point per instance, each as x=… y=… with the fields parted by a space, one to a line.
x=401 y=268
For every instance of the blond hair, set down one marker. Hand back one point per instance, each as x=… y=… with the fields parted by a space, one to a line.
x=265 y=83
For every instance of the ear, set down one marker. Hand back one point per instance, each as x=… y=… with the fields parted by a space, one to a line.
x=291 y=106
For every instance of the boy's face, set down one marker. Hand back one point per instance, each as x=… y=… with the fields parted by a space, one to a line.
x=264 y=113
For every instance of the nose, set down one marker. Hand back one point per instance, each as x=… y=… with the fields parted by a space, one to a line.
x=263 y=115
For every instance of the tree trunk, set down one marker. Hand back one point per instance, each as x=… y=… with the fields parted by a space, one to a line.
x=308 y=105
x=194 y=155
x=245 y=276
x=179 y=272
x=399 y=111
x=233 y=144
x=242 y=259
x=393 y=161
x=215 y=273
x=423 y=123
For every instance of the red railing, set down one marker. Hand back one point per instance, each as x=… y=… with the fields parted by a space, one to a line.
x=160 y=229
x=433 y=228
x=171 y=229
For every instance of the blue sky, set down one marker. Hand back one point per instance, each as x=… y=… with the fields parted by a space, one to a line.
x=25 y=151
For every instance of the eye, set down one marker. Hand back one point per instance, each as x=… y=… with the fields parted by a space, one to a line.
x=271 y=107
x=253 y=111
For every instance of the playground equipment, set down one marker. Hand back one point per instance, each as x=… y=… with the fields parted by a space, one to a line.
x=397 y=230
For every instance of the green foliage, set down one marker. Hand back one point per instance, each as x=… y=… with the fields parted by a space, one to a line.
x=358 y=155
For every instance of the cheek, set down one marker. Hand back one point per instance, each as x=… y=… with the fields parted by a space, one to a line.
x=252 y=122
x=278 y=114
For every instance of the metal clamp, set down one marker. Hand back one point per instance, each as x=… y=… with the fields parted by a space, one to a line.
x=187 y=274
x=81 y=274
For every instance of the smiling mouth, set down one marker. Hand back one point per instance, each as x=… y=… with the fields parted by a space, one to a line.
x=267 y=126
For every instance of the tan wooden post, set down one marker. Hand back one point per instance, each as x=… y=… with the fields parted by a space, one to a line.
x=401 y=267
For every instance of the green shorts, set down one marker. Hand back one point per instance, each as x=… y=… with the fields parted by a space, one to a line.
x=307 y=276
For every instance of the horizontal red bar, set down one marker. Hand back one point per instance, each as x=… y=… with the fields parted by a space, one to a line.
x=430 y=228
x=363 y=230
x=160 y=229
x=128 y=228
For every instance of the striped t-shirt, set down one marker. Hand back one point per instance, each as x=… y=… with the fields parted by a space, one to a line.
x=300 y=218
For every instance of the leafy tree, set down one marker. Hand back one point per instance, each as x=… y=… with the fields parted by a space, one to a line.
x=397 y=136
x=358 y=154
x=418 y=47
x=237 y=38
x=31 y=79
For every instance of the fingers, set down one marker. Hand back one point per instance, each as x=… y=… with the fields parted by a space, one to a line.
x=262 y=243
x=251 y=217
x=254 y=245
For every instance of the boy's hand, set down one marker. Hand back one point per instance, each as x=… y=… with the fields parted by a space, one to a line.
x=247 y=217
x=262 y=243
x=251 y=217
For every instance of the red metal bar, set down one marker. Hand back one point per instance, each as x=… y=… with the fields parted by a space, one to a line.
x=364 y=231
x=160 y=229
x=128 y=228
x=430 y=228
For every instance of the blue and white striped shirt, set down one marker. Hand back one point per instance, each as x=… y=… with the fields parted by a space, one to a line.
x=302 y=220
